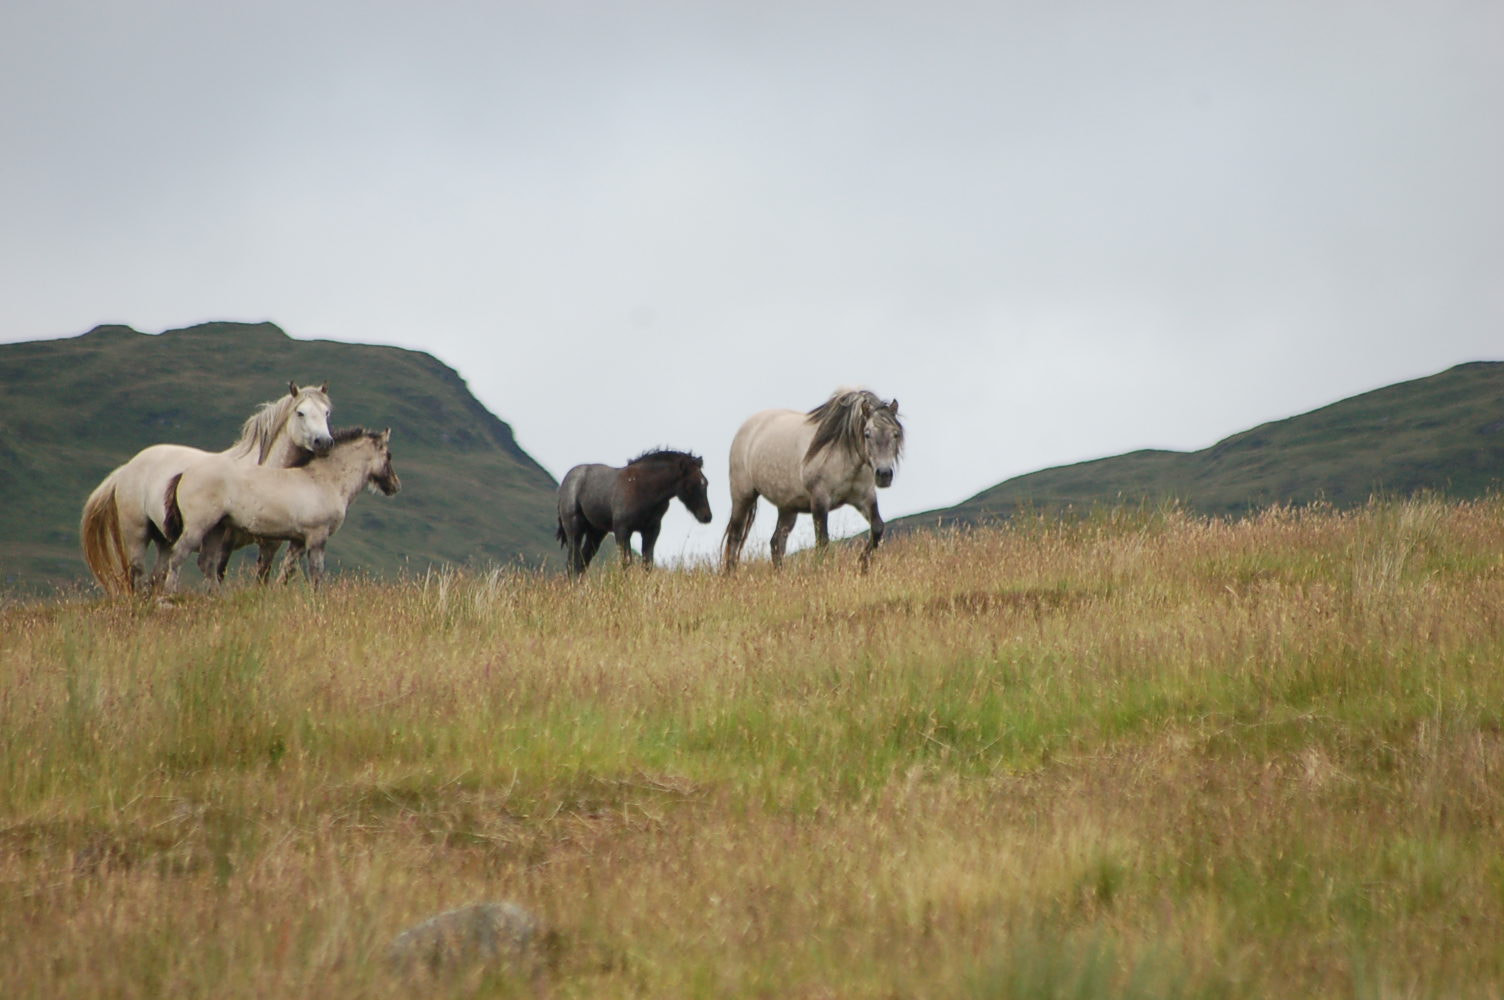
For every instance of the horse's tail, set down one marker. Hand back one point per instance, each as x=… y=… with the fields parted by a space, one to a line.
x=738 y=526
x=103 y=544
x=172 y=516
x=559 y=533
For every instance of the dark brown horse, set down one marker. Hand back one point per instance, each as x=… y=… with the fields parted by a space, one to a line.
x=595 y=500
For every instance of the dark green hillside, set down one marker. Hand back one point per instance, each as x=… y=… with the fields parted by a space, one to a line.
x=71 y=410
x=1444 y=433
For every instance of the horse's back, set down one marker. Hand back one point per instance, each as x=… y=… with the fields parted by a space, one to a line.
x=141 y=483
x=211 y=478
x=586 y=490
x=767 y=456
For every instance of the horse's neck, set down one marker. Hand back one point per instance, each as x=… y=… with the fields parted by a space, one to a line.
x=835 y=468
x=280 y=452
x=656 y=488
x=342 y=472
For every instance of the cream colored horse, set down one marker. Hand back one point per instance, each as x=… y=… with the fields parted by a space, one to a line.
x=839 y=453
x=303 y=505
x=125 y=513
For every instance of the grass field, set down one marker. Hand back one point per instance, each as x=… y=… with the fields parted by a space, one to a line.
x=1141 y=754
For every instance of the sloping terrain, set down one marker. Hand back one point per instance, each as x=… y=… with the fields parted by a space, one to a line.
x=1443 y=434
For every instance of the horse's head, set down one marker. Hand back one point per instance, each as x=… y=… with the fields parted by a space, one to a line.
x=692 y=489
x=882 y=440
x=308 y=423
x=382 y=476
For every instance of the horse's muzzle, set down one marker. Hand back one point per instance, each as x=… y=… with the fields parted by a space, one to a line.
x=703 y=516
x=322 y=445
x=884 y=477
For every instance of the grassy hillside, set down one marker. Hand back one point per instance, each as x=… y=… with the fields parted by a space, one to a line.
x=71 y=410
x=1133 y=755
x=1443 y=434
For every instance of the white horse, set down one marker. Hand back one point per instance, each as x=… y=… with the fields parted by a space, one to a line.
x=302 y=505
x=839 y=453
x=125 y=513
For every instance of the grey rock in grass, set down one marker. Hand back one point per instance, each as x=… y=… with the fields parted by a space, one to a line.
x=489 y=935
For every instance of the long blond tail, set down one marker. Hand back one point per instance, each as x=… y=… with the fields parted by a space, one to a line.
x=104 y=547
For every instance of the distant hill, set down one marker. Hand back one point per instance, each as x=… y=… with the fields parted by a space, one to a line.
x=73 y=409
x=1444 y=433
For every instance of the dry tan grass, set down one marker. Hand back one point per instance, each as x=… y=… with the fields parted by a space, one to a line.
x=1137 y=754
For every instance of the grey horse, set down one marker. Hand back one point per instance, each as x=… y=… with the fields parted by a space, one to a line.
x=839 y=453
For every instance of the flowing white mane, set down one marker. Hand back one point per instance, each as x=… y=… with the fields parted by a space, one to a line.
x=262 y=428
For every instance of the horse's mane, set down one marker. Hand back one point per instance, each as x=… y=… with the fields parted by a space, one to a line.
x=342 y=436
x=841 y=420
x=347 y=434
x=261 y=428
x=663 y=455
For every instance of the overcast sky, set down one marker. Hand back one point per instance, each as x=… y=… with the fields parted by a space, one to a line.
x=1053 y=230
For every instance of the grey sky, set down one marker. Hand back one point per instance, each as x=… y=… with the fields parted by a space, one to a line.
x=1053 y=230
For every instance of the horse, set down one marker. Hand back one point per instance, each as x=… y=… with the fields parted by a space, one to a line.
x=841 y=452
x=303 y=504
x=124 y=513
x=597 y=499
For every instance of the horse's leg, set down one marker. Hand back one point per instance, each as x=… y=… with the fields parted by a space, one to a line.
x=624 y=543
x=266 y=554
x=819 y=512
x=138 y=580
x=577 y=547
x=135 y=555
x=312 y=551
x=234 y=538
x=571 y=539
x=743 y=509
x=649 y=539
x=160 y=569
x=786 y=518
x=222 y=564
x=590 y=542
x=170 y=560
x=214 y=553
x=290 y=561
x=316 y=564
x=165 y=578
x=875 y=532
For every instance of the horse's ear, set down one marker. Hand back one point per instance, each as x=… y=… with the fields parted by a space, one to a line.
x=699 y=463
x=386 y=435
x=893 y=407
x=292 y=388
x=324 y=388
